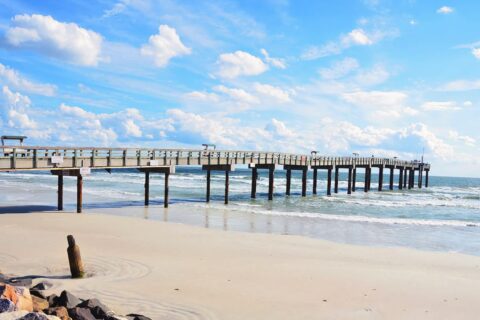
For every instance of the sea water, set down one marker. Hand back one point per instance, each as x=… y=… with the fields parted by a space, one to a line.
x=443 y=217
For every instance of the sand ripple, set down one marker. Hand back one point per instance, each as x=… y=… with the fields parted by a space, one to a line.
x=116 y=269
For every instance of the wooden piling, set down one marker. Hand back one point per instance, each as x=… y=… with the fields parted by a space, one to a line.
x=147 y=188
x=270 y=182
x=60 y=192
x=166 y=190
x=227 y=183
x=289 y=180
x=365 y=187
x=336 y=179
x=420 y=176
x=426 y=178
x=410 y=178
x=369 y=184
x=329 y=181
x=405 y=174
x=79 y=192
x=349 y=188
x=208 y=185
x=390 y=186
x=400 y=179
x=74 y=258
x=253 y=194
x=380 y=178
x=304 y=182
x=315 y=172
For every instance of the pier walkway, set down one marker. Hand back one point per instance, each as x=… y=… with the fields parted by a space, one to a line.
x=78 y=162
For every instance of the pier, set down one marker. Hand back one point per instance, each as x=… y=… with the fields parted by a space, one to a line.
x=78 y=162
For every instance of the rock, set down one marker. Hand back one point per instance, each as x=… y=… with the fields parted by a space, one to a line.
x=6 y=306
x=60 y=312
x=78 y=313
x=38 y=293
x=34 y=316
x=20 y=282
x=39 y=304
x=44 y=285
x=24 y=299
x=8 y=292
x=134 y=316
x=15 y=315
x=98 y=309
x=67 y=300
x=52 y=300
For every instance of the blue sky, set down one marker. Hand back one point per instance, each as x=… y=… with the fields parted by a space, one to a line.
x=388 y=78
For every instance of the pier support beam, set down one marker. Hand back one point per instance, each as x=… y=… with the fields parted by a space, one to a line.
x=289 y=179
x=253 y=194
x=380 y=178
x=392 y=173
x=426 y=178
x=329 y=181
x=147 y=188
x=270 y=182
x=420 y=176
x=304 y=182
x=367 y=179
x=405 y=174
x=166 y=190
x=354 y=179
x=271 y=170
x=400 y=179
x=315 y=172
x=218 y=167
x=336 y=179
x=60 y=192
x=411 y=178
x=79 y=192
x=350 y=172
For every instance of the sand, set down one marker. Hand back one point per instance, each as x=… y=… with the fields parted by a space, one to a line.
x=174 y=271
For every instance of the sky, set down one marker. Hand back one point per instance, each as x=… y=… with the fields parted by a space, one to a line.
x=375 y=77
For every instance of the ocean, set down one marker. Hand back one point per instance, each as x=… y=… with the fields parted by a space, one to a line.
x=443 y=217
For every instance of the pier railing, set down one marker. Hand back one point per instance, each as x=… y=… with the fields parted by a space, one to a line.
x=51 y=158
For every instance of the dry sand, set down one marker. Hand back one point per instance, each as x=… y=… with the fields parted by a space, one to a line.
x=184 y=272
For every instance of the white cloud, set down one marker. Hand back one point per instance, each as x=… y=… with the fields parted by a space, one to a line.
x=461 y=85
x=445 y=10
x=117 y=8
x=64 y=41
x=339 y=69
x=356 y=37
x=237 y=94
x=279 y=129
x=164 y=46
x=239 y=63
x=202 y=96
x=476 y=52
x=440 y=106
x=469 y=141
x=270 y=91
x=15 y=80
x=15 y=110
x=276 y=62
x=378 y=74
x=467 y=103
x=437 y=146
x=132 y=129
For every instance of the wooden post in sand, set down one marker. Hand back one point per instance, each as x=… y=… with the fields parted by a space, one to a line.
x=74 y=258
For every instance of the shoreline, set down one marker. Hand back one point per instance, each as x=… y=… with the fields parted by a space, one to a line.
x=137 y=265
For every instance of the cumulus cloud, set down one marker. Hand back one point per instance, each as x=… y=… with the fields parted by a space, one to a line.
x=476 y=52
x=339 y=69
x=469 y=141
x=239 y=63
x=164 y=46
x=440 y=106
x=239 y=95
x=12 y=78
x=371 y=77
x=64 y=41
x=15 y=110
x=276 y=62
x=272 y=92
x=356 y=37
x=203 y=96
x=445 y=10
x=279 y=129
x=461 y=85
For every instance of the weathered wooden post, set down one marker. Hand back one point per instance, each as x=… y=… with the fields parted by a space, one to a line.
x=392 y=173
x=147 y=187
x=166 y=190
x=74 y=258
x=350 y=172
x=410 y=178
x=60 y=191
x=365 y=186
x=400 y=179
x=420 y=176
x=289 y=179
x=405 y=174
x=253 y=194
x=369 y=178
x=208 y=185
x=227 y=176
x=270 y=182
x=380 y=178
x=79 y=192
x=329 y=181
x=426 y=178
x=304 y=182
x=315 y=180
x=337 y=169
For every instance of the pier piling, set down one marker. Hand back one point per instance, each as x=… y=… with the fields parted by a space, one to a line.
x=253 y=193
x=329 y=181
x=400 y=179
x=79 y=192
x=270 y=182
x=390 y=186
x=426 y=178
x=350 y=172
x=166 y=190
x=60 y=192
x=208 y=185
x=315 y=172
x=337 y=169
x=304 y=182
x=147 y=188
x=289 y=179
x=354 y=181
x=380 y=178
x=365 y=186
x=227 y=183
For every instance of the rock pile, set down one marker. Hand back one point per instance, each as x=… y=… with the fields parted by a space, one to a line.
x=18 y=301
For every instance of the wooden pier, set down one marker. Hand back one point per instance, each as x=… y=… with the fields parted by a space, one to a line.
x=78 y=162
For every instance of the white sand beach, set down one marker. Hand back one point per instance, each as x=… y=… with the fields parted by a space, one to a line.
x=174 y=271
